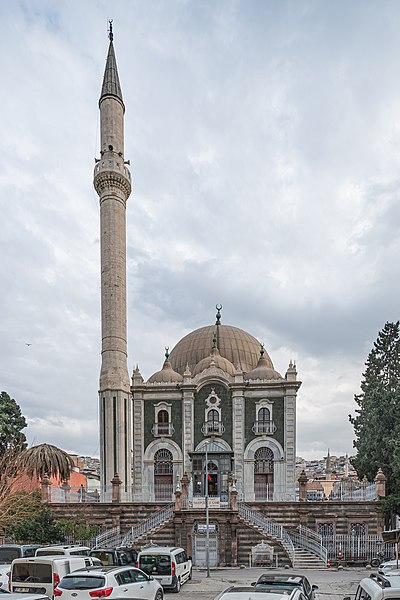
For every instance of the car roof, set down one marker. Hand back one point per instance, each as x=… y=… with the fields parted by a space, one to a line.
x=247 y=593
x=100 y=569
x=287 y=577
x=160 y=549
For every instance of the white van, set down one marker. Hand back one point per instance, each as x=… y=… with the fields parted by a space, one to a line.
x=41 y=574
x=377 y=587
x=170 y=566
x=69 y=550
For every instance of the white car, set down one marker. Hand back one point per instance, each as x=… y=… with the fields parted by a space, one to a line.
x=388 y=565
x=244 y=593
x=108 y=582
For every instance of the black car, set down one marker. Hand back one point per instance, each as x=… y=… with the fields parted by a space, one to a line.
x=289 y=581
x=115 y=556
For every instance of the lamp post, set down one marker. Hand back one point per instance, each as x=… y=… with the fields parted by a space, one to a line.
x=207 y=519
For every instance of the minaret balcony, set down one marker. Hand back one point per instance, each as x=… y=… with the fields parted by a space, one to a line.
x=264 y=428
x=212 y=428
x=110 y=164
x=163 y=429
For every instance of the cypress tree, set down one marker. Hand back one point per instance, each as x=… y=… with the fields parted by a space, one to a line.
x=377 y=420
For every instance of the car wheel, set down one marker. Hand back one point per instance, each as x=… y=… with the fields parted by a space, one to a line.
x=159 y=595
x=375 y=562
x=177 y=586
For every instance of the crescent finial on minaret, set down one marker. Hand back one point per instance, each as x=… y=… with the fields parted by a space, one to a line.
x=110 y=31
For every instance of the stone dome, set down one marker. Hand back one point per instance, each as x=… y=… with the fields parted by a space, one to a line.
x=237 y=346
x=263 y=370
x=166 y=375
x=214 y=359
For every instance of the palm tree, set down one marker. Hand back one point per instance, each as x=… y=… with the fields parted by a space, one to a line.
x=45 y=459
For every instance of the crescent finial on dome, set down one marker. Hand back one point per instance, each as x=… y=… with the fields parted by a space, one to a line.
x=218 y=315
x=166 y=352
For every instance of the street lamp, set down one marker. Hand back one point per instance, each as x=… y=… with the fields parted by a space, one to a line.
x=207 y=519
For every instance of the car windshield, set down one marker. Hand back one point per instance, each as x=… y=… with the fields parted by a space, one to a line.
x=7 y=555
x=107 y=558
x=82 y=582
x=32 y=572
x=155 y=564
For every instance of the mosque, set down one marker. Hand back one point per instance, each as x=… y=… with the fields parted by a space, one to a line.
x=217 y=411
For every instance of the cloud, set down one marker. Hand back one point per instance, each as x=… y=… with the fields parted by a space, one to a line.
x=265 y=148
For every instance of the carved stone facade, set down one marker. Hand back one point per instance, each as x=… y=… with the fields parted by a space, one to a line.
x=225 y=401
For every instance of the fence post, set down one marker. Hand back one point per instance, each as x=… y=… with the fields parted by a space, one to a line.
x=303 y=479
x=380 y=484
x=45 y=484
x=116 y=489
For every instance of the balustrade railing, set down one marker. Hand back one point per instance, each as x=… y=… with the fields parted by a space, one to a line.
x=270 y=527
x=309 y=540
x=155 y=520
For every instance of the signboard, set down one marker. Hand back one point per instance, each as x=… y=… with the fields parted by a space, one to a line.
x=214 y=502
x=202 y=528
x=199 y=502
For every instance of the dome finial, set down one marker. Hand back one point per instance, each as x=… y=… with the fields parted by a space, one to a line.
x=218 y=315
x=166 y=352
x=110 y=31
x=262 y=350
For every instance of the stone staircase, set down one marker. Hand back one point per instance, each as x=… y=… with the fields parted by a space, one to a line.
x=301 y=548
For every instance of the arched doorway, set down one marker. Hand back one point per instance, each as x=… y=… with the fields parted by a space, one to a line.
x=163 y=475
x=264 y=474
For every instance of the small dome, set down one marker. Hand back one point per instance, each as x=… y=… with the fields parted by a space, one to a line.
x=214 y=359
x=263 y=370
x=166 y=375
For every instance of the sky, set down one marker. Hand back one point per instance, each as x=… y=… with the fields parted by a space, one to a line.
x=264 y=140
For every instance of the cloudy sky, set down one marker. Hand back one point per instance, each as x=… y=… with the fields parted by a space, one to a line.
x=264 y=138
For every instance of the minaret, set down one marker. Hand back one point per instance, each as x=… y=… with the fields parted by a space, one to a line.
x=112 y=182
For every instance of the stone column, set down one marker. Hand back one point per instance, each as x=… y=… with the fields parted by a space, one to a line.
x=116 y=489
x=303 y=486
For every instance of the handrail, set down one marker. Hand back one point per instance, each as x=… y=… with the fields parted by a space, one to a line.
x=270 y=527
x=110 y=537
x=148 y=524
x=309 y=540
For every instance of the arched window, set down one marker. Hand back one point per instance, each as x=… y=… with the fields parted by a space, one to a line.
x=264 y=473
x=163 y=462
x=213 y=421
x=163 y=422
x=264 y=420
x=163 y=475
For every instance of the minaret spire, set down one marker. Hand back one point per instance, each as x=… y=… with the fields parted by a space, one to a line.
x=112 y=182
x=111 y=85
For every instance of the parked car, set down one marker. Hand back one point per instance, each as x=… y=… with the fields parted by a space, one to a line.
x=108 y=582
x=244 y=593
x=41 y=574
x=286 y=581
x=377 y=587
x=8 y=553
x=67 y=550
x=169 y=565
x=388 y=565
x=115 y=556
x=11 y=596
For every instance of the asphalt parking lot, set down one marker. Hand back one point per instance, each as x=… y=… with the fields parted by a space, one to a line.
x=332 y=583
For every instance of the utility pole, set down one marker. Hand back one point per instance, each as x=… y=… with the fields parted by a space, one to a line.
x=207 y=519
